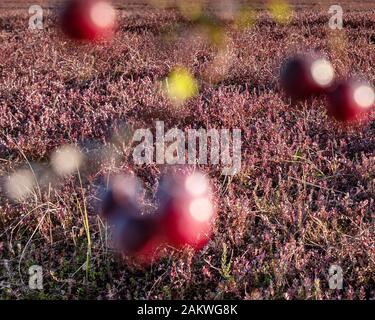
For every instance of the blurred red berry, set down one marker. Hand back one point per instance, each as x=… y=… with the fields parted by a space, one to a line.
x=89 y=20
x=135 y=235
x=121 y=194
x=351 y=100
x=138 y=237
x=305 y=75
x=186 y=210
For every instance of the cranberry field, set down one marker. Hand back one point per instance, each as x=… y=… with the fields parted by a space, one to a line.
x=303 y=200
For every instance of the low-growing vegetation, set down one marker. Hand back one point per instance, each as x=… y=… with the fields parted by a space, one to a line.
x=303 y=201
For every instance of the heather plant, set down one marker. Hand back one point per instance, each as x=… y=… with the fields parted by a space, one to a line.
x=304 y=199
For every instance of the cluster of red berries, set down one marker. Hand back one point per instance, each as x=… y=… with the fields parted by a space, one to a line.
x=302 y=76
x=308 y=75
x=184 y=216
x=89 y=20
x=185 y=212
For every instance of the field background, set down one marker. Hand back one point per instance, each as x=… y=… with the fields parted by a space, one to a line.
x=303 y=201
x=134 y=3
